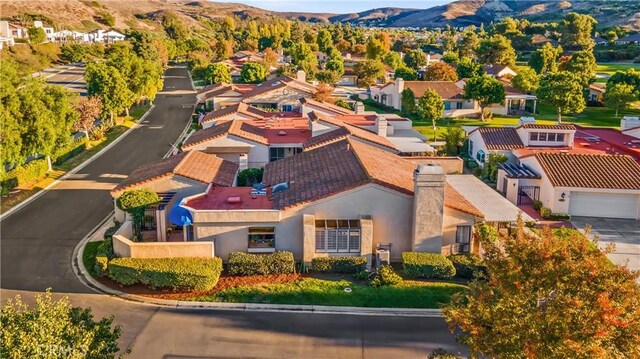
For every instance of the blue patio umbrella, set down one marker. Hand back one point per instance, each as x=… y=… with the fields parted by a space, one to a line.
x=180 y=216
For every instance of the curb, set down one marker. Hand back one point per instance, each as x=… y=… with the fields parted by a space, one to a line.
x=85 y=278
x=75 y=169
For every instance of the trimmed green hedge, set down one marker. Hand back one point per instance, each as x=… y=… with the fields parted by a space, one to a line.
x=175 y=273
x=70 y=150
x=427 y=265
x=468 y=265
x=241 y=263
x=104 y=253
x=25 y=175
x=342 y=264
x=386 y=276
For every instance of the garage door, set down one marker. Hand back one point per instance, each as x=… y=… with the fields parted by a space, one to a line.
x=603 y=205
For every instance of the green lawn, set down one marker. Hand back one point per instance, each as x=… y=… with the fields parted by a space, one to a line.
x=89 y=257
x=609 y=68
x=409 y=294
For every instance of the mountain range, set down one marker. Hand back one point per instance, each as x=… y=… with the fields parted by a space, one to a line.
x=89 y=14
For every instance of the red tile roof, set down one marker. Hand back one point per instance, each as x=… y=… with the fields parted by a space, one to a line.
x=344 y=130
x=341 y=166
x=194 y=165
x=327 y=106
x=241 y=108
x=280 y=83
x=590 y=171
x=448 y=90
x=500 y=138
x=238 y=128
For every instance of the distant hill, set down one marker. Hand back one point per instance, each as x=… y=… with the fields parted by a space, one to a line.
x=89 y=14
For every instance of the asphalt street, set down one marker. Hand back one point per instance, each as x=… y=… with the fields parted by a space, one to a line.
x=68 y=76
x=37 y=243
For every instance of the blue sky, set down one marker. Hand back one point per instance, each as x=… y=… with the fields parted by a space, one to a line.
x=336 y=6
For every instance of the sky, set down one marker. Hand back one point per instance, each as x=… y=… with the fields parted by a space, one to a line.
x=336 y=6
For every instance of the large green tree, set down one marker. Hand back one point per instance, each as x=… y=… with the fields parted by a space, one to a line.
x=368 y=71
x=552 y=296
x=408 y=100
x=546 y=58
x=467 y=68
x=629 y=77
x=253 y=73
x=324 y=40
x=583 y=64
x=393 y=59
x=36 y=35
x=415 y=59
x=562 y=91
x=107 y=82
x=405 y=73
x=527 y=80
x=496 y=50
x=55 y=329
x=618 y=96
x=135 y=202
x=10 y=115
x=430 y=107
x=577 y=29
x=486 y=90
x=217 y=73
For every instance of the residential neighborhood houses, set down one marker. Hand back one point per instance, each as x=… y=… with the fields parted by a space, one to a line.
x=254 y=166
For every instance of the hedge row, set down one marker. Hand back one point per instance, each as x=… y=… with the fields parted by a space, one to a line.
x=427 y=265
x=174 y=273
x=104 y=253
x=241 y=263
x=70 y=150
x=468 y=265
x=25 y=175
x=343 y=264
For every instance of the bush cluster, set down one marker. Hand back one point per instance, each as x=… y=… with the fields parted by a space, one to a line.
x=468 y=265
x=25 y=175
x=241 y=263
x=69 y=151
x=547 y=214
x=427 y=265
x=537 y=205
x=174 y=273
x=342 y=264
x=386 y=276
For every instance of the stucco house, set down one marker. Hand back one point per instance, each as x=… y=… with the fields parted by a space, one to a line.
x=630 y=126
x=343 y=198
x=596 y=92
x=175 y=178
x=282 y=93
x=593 y=185
x=455 y=105
x=221 y=95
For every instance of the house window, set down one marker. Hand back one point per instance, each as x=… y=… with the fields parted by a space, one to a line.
x=261 y=238
x=542 y=136
x=276 y=153
x=338 y=236
x=447 y=105
x=560 y=137
x=551 y=137
x=287 y=108
x=533 y=136
x=463 y=239
x=470 y=147
x=480 y=156
x=458 y=105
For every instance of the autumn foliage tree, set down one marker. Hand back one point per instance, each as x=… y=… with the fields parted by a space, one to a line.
x=557 y=296
x=89 y=108
x=440 y=71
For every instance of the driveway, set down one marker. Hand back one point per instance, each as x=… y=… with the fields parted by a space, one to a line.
x=623 y=233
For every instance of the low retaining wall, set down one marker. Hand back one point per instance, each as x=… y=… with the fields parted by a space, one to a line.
x=125 y=247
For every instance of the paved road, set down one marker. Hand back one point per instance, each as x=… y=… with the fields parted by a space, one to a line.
x=38 y=241
x=68 y=76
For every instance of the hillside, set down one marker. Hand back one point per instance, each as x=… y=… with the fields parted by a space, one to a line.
x=89 y=14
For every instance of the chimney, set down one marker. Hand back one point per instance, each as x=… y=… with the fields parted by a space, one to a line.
x=628 y=122
x=428 y=208
x=399 y=85
x=381 y=126
x=359 y=108
x=301 y=76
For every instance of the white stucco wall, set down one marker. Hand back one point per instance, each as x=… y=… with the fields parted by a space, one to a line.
x=258 y=153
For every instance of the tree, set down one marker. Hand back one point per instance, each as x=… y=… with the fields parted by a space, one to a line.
x=324 y=40
x=217 y=73
x=89 y=108
x=563 y=91
x=408 y=101
x=368 y=71
x=375 y=49
x=335 y=63
x=469 y=43
x=269 y=58
x=583 y=64
x=629 y=77
x=324 y=93
x=174 y=27
x=107 y=82
x=440 y=71
x=491 y=166
x=576 y=30
x=415 y=59
x=486 y=90
x=618 y=96
x=73 y=53
x=496 y=50
x=11 y=114
x=36 y=35
x=135 y=202
x=430 y=107
x=253 y=73
x=55 y=329
x=454 y=138
x=556 y=296
x=144 y=45
x=393 y=59
x=450 y=58
x=327 y=77
x=405 y=73
x=527 y=80
x=467 y=68
x=545 y=59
